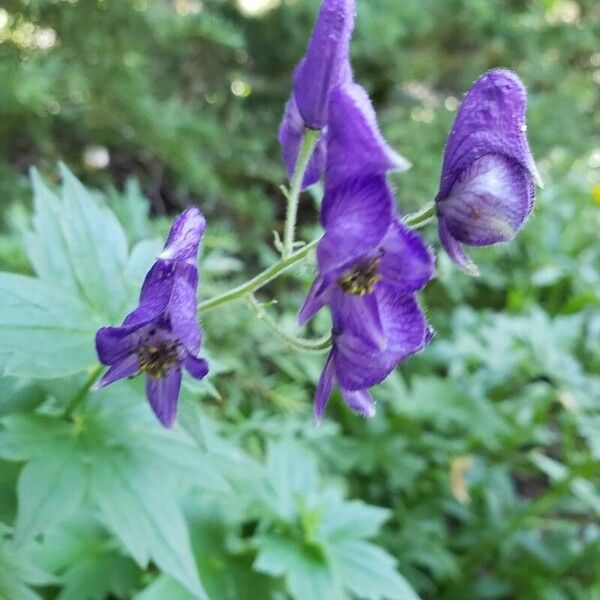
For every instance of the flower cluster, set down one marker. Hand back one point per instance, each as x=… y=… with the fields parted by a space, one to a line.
x=162 y=334
x=370 y=265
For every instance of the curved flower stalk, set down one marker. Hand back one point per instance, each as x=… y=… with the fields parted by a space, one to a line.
x=162 y=334
x=487 y=186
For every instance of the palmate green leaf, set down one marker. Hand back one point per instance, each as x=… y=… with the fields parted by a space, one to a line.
x=85 y=279
x=137 y=474
x=17 y=573
x=369 y=573
x=44 y=332
x=307 y=574
x=86 y=559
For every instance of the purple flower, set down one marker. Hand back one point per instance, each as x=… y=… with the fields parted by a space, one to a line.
x=487 y=186
x=370 y=265
x=325 y=65
x=365 y=249
x=351 y=144
x=326 y=61
x=355 y=365
x=162 y=333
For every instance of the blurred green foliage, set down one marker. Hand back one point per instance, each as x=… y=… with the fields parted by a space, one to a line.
x=484 y=456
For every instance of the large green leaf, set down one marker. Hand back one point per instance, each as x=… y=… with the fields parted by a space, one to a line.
x=44 y=332
x=146 y=517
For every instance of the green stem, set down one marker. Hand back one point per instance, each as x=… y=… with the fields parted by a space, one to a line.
x=413 y=220
x=268 y=275
x=305 y=345
x=309 y=142
x=422 y=217
x=83 y=392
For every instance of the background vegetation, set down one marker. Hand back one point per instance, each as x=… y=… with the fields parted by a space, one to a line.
x=484 y=456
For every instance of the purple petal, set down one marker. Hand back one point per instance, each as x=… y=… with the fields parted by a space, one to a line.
x=290 y=139
x=407 y=263
x=316 y=299
x=355 y=144
x=489 y=202
x=184 y=238
x=198 y=368
x=113 y=344
x=356 y=215
x=128 y=367
x=325 y=61
x=358 y=365
x=358 y=316
x=182 y=315
x=155 y=294
x=455 y=250
x=163 y=395
x=491 y=120
x=359 y=401
x=324 y=389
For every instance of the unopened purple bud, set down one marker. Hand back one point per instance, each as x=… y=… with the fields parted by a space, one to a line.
x=487 y=186
x=326 y=61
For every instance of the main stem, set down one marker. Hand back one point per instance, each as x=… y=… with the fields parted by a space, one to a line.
x=83 y=392
x=309 y=141
x=414 y=220
x=268 y=275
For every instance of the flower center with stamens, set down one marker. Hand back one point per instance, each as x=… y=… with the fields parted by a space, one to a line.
x=157 y=358
x=361 y=279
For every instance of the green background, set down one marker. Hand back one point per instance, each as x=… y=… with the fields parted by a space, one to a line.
x=484 y=453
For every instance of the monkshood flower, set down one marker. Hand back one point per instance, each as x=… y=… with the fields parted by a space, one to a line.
x=325 y=65
x=326 y=61
x=162 y=334
x=365 y=251
x=351 y=145
x=355 y=365
x=487 y=186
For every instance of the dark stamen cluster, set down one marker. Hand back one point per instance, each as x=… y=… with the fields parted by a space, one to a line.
x=156 y=359
x=361 y=279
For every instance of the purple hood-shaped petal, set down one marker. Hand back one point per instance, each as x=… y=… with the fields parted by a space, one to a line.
x=162 y=334
x=325 y=62
x=356 y=366
x=184 y=238
x=487 y=184
x=355 y=145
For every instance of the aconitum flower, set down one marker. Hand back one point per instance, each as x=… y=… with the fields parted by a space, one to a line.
x=366 y=250
x=370 y=265
x=355 y=365
x=325 y=65
x=487 y=186
x=326 y=61
x=162 y=334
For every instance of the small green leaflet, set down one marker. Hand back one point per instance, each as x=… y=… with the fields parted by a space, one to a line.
x=316 y=539
x=17 y=573
x=88 y=562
